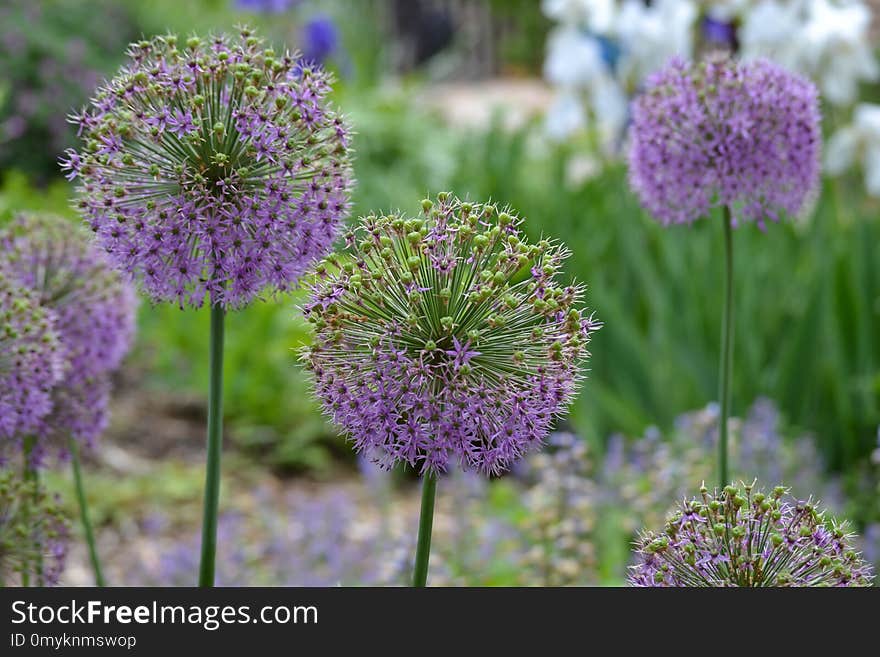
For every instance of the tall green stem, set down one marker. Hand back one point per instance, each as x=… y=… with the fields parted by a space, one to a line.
x=426 y=523
x=84 y=513
x=726 y=349
x=215 y=446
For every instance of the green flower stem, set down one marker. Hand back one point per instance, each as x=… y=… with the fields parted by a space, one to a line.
x=426 y=522
x=215 y=445
x=84 y=513
x=726 y=350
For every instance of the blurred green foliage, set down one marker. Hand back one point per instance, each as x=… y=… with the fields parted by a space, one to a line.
x=52 y=54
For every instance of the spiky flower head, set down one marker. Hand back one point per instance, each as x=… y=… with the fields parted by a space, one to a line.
x=34 y=532
x=31 y=360
x=446 y=337
x=724 y=132
x=213 y=167
x=743 y=537
x=94 y=307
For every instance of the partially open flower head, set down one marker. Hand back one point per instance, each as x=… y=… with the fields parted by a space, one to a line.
x=743 y=537
x=94 y=307
x=93 y=304
x=31 y=361
x=34 y=533
x=446 y=337
x=213 y=167
x=723 y=132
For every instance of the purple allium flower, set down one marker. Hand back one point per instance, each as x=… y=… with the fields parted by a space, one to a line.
x=725 y=133
x=320 y=39
x=34 y=533
x=446 y=338
x=95 y=316
x=742 y=537
x=213 y=167
x=31 y=361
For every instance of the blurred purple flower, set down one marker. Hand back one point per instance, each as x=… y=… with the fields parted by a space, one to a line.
x=723 y=132
x=719 y=33
x=31 y=362
x=95 y=311
x=320 y=39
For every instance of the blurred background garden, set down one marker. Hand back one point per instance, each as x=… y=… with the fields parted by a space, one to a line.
x=524 y=102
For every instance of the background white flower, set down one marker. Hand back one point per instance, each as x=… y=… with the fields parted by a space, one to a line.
x=859 y=143
x=772 y=29
x=574 y=58
x=836 y=49
x=827 y=40
x=597 y=15
x=649 y=36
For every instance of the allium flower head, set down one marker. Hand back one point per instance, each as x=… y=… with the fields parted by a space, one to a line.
x=94 y=308
x=725 y=133
x=93 y=303
x=33 y=531
x=31 y=360
x=213 y=167
x=742 y=537
x=446 y=337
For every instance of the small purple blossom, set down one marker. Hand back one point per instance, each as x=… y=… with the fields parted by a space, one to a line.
x=31 y=361
x=742 y=537
x=725 y=133
x=446 y=338
x=461 y=354
x=213 y=168
x=94 y=309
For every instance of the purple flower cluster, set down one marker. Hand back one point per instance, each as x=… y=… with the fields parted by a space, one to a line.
x=742 y=537
x=31 y=361
x=34 y=533
x=212 y=168
x=94 y=311
x=724 y=132
x=446 y=338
